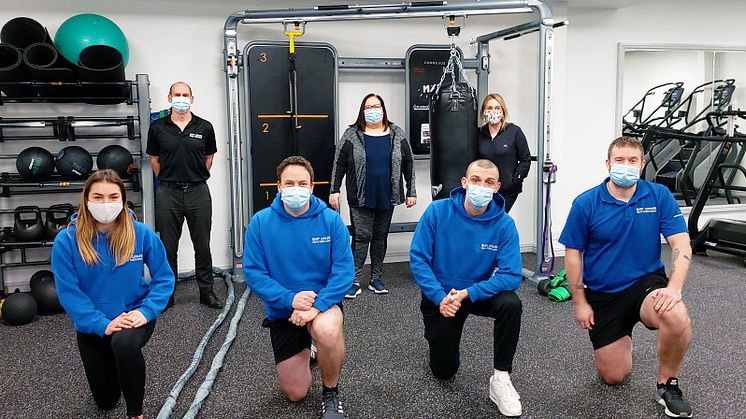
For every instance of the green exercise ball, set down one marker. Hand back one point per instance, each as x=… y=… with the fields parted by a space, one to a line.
x=85 y=30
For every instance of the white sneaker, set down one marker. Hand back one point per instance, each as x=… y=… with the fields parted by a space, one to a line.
x=505 y=397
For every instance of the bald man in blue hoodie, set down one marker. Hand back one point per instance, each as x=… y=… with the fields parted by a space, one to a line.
x=298 y=261
x=465 y=256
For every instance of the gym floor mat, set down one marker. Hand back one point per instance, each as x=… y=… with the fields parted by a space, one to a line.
x=386 y=375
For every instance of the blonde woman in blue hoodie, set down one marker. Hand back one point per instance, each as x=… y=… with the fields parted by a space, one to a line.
x=98 y=267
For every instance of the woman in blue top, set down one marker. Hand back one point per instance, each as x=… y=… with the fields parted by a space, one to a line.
x=375 y=156
x=98 y=265
x=504 y=144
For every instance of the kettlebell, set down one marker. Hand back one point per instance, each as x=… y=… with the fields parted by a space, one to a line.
x=28 y=224
x=58 y=217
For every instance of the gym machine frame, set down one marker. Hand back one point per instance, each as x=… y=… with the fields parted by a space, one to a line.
x=233 y=58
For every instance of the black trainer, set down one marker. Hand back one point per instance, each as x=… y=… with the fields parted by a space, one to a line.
x=331 y=406
x=669 y=395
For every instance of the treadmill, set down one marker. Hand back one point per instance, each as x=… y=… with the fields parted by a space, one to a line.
x=720 y=234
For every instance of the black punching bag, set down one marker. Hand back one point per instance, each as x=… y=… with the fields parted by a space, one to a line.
x=453 y=135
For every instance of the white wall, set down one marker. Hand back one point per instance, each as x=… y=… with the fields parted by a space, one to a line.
x=182 y=40
x=172 y=40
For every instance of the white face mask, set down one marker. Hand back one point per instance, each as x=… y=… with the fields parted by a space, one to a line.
x=493 y=117
x=181 y=104
x=105 y=213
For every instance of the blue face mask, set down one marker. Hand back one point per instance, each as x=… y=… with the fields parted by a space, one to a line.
x=479 y=196
x=181 y=104
x=623 y=175
x=373 y=115
x=295 y=197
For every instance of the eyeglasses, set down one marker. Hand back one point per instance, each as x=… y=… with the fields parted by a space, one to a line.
x=366 y=107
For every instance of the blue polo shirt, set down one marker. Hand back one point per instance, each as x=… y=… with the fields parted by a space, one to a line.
x=620 y=241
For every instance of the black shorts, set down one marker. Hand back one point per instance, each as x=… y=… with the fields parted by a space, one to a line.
x=288 y=339
x=616 y=314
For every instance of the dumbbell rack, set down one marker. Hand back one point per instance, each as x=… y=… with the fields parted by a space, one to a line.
x=70 y=128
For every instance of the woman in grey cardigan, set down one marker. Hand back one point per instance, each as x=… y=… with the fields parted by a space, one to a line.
x=375 y=156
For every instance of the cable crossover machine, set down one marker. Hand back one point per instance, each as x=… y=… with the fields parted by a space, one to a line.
x=282 y=97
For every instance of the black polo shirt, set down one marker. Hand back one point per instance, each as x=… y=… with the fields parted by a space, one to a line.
x=182 y=153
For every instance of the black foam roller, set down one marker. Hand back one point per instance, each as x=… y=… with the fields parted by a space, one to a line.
x=102 y=63
x=46 y=64
x=453 y=136
x=23 y=31
x=13 y=69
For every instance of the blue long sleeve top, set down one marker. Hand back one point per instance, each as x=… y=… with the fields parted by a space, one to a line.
x=94 y=295
x=284 y=255
x=453 y=250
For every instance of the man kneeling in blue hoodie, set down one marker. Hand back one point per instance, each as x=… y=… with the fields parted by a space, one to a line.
x=298 y=261
x=465 y=257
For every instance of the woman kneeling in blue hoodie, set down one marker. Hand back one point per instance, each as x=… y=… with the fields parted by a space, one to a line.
x=98 y=268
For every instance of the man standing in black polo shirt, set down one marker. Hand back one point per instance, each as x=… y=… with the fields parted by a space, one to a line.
x=181 y=146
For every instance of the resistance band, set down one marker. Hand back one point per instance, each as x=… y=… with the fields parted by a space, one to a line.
x=550 y=170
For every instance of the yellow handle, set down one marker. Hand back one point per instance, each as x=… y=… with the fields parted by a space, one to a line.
x=292 y=35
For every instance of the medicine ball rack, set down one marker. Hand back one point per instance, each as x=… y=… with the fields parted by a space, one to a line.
x=67 y=128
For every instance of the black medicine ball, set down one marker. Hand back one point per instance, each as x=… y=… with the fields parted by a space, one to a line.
x=74 y=163
x=45 y=293
x=35 y=163
x=19 y=309
x=39 y=277
x=117 y=158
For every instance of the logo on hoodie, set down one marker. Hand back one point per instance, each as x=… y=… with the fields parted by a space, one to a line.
x=487 y=246
x=136 y=258
x=321 y=239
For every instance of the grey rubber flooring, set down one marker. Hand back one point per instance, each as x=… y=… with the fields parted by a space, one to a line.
x=385 y=373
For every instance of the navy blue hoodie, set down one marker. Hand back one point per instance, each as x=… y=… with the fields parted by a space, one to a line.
x=284 y=255
x=95 y=295
x=453 y=250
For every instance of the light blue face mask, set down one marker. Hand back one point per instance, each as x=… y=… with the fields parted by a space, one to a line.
x=373 y=115
x=623 y=175
x=181 y=104
x=295 y=197
x=479 y=196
